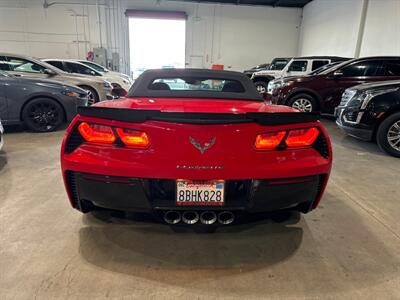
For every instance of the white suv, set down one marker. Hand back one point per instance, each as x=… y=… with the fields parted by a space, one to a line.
x=296 y=66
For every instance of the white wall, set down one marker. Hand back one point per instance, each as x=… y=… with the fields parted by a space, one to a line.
x=235 y=36
x=334 y=27
x=330 y=27
x=382 y=28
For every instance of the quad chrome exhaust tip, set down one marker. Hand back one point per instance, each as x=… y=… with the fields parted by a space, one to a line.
x=190 y=217
x=226 y=217
x=172 y=217
x=208 y=217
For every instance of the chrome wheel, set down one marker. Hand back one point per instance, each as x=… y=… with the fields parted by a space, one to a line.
x=302 y=104
x=261 y=89
x=393 y=136
x=91 y=97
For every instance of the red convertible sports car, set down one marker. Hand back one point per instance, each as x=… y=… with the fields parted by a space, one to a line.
x=195 y=146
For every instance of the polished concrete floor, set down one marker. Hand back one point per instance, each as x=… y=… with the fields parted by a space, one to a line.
x=349 y=248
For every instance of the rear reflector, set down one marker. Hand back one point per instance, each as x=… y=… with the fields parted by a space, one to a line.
x=133 y=138
x=302 y=137
x=269 y=141
x=99 y=134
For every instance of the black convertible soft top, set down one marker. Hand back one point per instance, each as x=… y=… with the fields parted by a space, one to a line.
x=141 y=87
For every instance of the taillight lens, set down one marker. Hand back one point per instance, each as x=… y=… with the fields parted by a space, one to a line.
x=269 y=141
x=302 y=137
x=134 y=138
x=296 y=138
x=94 y=133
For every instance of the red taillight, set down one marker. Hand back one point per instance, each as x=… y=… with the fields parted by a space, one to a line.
x=133 y=138
x=302 y=137
x=269 y=141
x=99 y=134
x=296 y=138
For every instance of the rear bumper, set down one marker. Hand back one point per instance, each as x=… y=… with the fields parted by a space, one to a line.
x=153 y=195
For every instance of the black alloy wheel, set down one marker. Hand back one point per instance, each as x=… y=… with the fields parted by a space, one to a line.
x=43 y=115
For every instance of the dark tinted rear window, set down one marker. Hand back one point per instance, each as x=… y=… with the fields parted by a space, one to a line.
x=278 y=64
x=316 y=64
x=56 y=64
x=364 y=68
x=392 y=68
x=298 y=66
x=4 y=66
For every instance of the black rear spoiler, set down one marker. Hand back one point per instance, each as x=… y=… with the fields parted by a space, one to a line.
x=141 y=115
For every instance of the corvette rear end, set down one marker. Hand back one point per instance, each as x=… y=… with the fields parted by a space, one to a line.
x=205 y=151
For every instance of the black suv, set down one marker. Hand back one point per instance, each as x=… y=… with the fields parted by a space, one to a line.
x=372 y=111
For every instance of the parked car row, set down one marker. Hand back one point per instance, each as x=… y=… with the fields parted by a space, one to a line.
x=363 y=93
x=371 y=112
x=282 y=67
x=43 y=94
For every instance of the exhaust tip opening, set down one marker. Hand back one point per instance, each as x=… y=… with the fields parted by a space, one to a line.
x=172 y=217
x=226 y=217
x=208 y=217
x=190 y=217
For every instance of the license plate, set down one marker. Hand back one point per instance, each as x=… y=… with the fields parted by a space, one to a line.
x=205 y=193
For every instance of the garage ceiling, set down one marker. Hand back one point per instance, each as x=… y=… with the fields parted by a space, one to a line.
x=275 y=3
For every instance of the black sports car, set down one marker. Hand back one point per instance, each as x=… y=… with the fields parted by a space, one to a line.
x=371 y=111
x=41 y=105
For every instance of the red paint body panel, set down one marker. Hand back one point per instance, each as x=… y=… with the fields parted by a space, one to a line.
x=170 y=146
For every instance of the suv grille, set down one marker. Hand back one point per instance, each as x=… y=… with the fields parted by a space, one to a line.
x=347 y=96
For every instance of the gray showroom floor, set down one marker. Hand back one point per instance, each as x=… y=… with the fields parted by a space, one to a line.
x=349 y=248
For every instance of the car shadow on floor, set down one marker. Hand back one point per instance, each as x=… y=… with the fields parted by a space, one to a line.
x=341 y=138
x=332 y=245
x=137 y=248
x=21 y=128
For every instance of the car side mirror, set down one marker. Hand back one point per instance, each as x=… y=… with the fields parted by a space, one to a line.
x=49 y=72
x=92 y=73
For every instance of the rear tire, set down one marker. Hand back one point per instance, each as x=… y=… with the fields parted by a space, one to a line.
x=42 y=115
x=261 y=86
x=388 y=135
x=303 y=102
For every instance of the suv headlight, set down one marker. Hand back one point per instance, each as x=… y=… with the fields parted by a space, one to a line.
x=361 y=100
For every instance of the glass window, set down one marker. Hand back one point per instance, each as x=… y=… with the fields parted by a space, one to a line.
x=23 y=65
x=365 y=68
x=4 y=66
x=78 y=68
x=57 y=64
x=94 y=66
x=197 y=84
x=278 y=64
x=392 y=67
x=316 y=64
x=298 y=66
